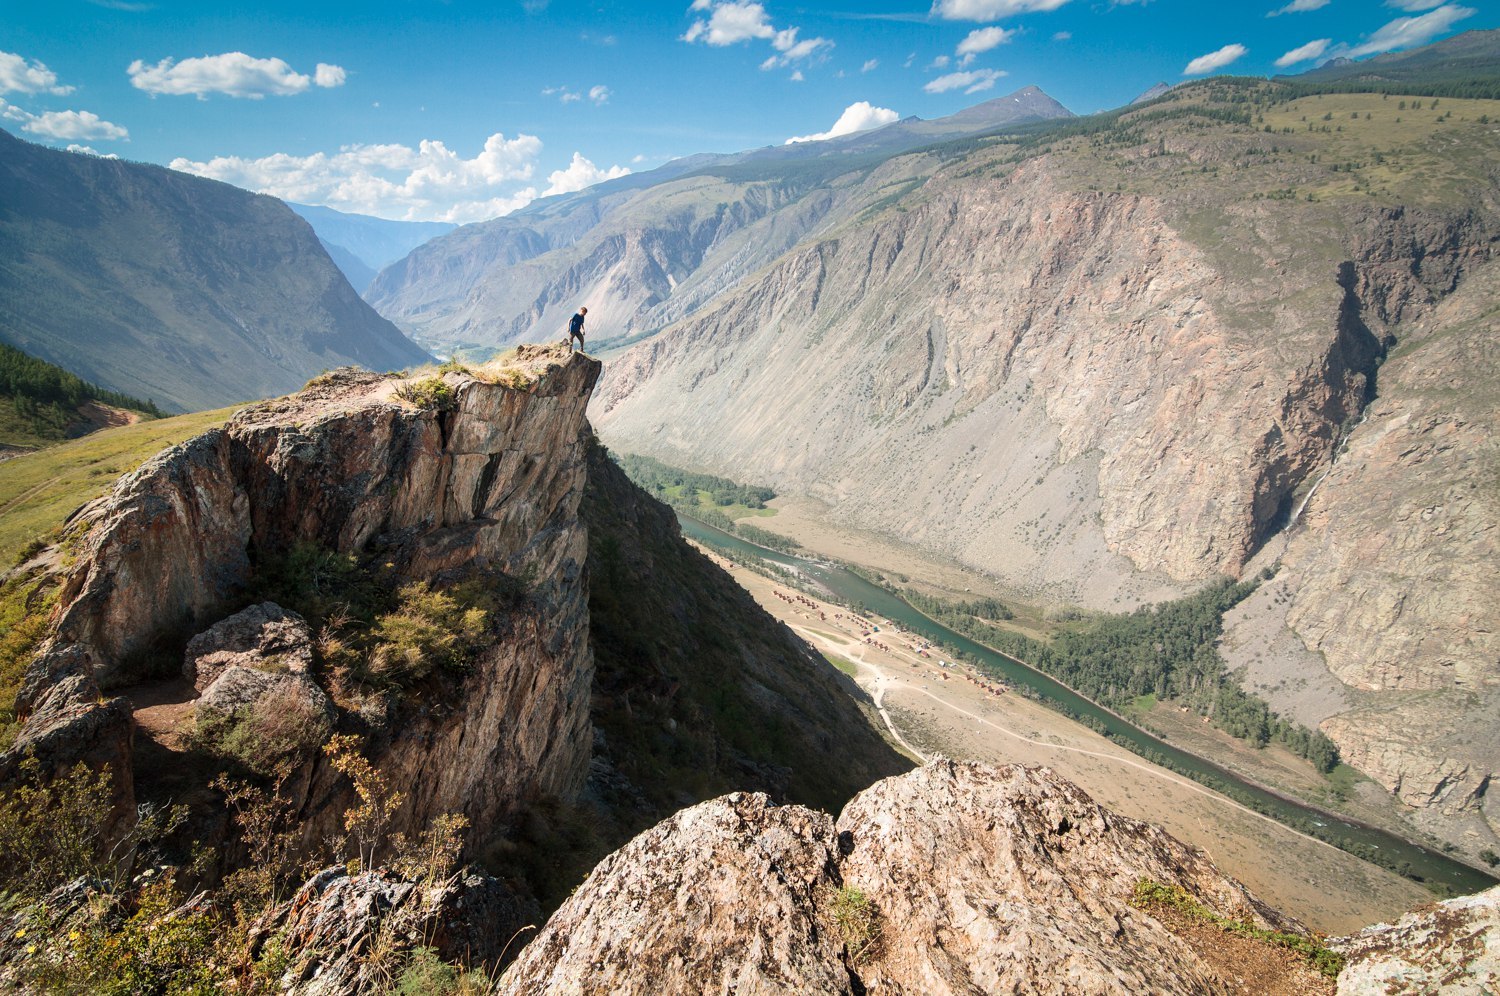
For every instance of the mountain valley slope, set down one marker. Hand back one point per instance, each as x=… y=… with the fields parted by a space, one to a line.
x=1109 y=364
x=183 y=291
x=647 y=249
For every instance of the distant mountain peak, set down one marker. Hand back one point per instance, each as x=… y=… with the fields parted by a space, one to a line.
x=1152 y=93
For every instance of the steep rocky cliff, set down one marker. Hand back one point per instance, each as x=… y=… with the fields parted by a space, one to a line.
x=432 y=564
x=488 y=481
x=184 y=291
x=1110 y=367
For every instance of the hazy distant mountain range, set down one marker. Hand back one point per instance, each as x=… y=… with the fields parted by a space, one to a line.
x=362 y=245
x=648 y=248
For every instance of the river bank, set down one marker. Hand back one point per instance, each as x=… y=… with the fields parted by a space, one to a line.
x=942 y=711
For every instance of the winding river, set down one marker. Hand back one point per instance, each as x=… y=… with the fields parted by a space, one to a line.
x=1425 y=864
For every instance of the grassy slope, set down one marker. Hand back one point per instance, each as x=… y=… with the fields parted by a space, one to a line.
x=40 y=490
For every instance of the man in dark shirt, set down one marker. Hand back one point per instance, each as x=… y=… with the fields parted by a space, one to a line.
x=575 y=329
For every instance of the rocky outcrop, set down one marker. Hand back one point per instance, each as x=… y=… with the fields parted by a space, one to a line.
x=490 y=478
x=346 y=934
x=956 y=878
x=1452 y=947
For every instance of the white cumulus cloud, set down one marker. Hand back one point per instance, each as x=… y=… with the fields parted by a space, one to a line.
x=428 y=183
x=989 y=10
x=1302 y=7
x=579 y=174
x=859 y=116
x=18 y=75
x=1214 y=60
x=1406 y=32
x=730 y=23
x=1412 y=6
x=234 y=74
x=972 y=81
x=984 y=39
x=599 y=94
x=85 y=150
x=74 y=126
x=1303 y=53
x=329 y=76
x=64 y=125
x=869 y=65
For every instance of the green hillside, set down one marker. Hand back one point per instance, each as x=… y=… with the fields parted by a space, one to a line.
x=42 y=403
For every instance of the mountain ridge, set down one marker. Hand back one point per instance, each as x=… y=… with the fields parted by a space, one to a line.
x=167 y=286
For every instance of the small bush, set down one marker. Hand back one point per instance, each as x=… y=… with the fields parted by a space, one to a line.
x=282 y=727
x=427 y=631
x=144 y=944
x=429 y=392
x=52 y=831
x=858 y=922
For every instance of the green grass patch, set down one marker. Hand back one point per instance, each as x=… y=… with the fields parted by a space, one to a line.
x=847 y=667
x=1143 y=703
x=40 y=490
x=1151 y=895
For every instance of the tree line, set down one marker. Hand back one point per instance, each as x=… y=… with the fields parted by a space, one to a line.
x=1169 y=651
x=46 y=397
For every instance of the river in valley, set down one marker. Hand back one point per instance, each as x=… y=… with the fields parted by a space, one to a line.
x=1395 y=852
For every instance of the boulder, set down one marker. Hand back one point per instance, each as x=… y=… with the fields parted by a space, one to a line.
x=347 y=933
x=721 y=897
x=241 y=688
x=954 y=878
x=264 y=637
x=1452 y=947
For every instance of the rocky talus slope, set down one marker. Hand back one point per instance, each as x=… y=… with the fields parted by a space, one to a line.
x=955 y=878
x=1111 y=370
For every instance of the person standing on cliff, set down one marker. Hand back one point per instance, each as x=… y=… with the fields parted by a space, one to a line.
x=575 y=329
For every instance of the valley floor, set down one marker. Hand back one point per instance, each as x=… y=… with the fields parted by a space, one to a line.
x=932 y=710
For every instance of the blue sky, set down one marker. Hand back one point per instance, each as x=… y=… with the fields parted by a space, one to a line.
x=459 y=110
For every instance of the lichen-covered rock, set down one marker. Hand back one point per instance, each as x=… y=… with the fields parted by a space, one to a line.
x=240 y=688
x=722 y=897
x=265 y=637
x=1452 y=947
x=349 y=934
x=955 y=878
x=1013 y=880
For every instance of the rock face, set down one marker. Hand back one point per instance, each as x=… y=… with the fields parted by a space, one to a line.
x=1452 y=947
x=264 y=637
x=346 y=466
x=956 y=878
x=1110 y=380
x=1396 y=562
